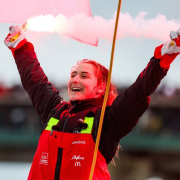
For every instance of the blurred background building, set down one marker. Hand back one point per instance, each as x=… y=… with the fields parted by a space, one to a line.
x=150 y=152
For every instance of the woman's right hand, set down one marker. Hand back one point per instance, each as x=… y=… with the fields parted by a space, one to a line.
x=16 y=38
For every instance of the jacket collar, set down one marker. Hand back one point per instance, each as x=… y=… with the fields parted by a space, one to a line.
x=81 y=105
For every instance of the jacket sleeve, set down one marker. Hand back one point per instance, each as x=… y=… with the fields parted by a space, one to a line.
x=128 y=107
x=42 y=94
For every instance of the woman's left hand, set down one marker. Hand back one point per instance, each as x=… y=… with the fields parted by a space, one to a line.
x=168 y=51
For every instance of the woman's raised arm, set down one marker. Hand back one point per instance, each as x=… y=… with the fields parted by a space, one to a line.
x=42 y=94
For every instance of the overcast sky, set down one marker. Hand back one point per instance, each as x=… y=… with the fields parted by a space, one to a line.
x=57 y=53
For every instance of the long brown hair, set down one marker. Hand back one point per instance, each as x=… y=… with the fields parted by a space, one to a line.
x=102 y=75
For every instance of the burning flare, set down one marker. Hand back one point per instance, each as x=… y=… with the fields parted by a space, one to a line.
x=91 y=28
x=48 y=23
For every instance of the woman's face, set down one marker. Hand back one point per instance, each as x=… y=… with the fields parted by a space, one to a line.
x=83 y=83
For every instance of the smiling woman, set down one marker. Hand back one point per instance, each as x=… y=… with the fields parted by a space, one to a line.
x=89 y=78
x=66 y=145
x=83 y=83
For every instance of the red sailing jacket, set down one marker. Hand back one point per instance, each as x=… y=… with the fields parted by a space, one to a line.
x=77 y=155
x=119 y=119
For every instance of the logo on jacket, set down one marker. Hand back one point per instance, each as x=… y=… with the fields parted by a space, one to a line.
x=79 y=142
x=44 y=158
x=77 y=163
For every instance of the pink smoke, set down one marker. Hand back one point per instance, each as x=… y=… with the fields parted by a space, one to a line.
x=91 y=28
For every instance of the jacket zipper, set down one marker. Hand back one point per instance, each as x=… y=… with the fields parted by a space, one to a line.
x=58 y=164
x=60 y=151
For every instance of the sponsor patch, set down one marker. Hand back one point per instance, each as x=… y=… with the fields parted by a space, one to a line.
x=44 y=158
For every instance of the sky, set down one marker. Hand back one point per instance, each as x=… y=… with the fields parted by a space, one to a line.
x=143 y=26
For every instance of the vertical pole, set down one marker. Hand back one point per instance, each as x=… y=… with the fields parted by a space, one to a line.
x=106 y=95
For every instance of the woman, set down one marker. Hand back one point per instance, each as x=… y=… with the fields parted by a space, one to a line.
x=66 y=145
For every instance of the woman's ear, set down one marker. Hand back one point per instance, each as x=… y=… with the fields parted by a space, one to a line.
x=101 y=88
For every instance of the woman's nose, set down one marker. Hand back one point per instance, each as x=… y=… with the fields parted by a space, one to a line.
x=75 y=80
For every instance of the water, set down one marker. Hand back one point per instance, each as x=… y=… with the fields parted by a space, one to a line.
x=15 y=171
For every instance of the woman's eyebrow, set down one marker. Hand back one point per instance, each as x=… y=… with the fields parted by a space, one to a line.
x=74 y=72
x=83 y=72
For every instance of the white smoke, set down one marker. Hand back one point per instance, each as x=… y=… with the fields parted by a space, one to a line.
x=88 y=28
